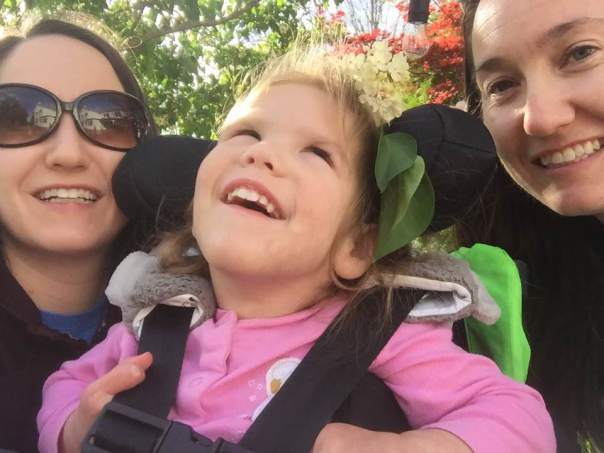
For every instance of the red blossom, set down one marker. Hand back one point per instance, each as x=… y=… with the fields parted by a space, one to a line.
x=337 y=17
x=443 y=65
x=444 y=62
x=359 y=43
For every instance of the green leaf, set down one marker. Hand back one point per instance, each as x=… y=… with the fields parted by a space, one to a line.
x=408 y=182
x=396 y=153
x=407 y=208
x=190 y=8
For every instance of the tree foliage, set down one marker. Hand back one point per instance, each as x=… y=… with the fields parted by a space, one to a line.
x=189 y=55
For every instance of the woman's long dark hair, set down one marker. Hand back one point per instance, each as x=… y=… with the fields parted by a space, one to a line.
x=131 y=235
x=564 y=302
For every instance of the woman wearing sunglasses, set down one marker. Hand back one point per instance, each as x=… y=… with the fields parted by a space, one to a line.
x=69 y=110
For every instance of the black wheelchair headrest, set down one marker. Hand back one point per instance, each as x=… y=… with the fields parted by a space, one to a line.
x=155 y=181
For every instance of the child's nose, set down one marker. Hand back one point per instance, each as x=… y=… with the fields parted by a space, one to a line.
x=259 y=155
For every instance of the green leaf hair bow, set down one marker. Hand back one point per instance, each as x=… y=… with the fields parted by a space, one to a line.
x=407 y=200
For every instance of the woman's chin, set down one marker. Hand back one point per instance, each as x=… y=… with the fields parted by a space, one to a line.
x=65 y=246
x=574 y=205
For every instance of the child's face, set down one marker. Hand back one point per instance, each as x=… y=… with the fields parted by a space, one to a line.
x=278 y=189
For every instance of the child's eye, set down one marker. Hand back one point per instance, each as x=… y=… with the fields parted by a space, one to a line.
x=322 y=154
x=249 y=132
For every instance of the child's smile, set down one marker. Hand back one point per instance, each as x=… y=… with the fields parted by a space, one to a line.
x=277 y=193
x=253 y=196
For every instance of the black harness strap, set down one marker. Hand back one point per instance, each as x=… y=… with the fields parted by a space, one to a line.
x=372 y=406
x=164 y=334
x=329 y=372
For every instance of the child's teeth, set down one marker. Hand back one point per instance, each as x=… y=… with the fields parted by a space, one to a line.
x=247 y=194
x=244 y=194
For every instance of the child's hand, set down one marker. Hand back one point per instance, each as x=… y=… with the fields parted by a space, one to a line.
x=124 y=376
x=344 y=438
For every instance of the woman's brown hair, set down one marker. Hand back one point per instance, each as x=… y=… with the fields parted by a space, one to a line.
x=472 y=93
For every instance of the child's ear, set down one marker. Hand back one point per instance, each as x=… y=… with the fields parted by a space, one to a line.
x=354 y=254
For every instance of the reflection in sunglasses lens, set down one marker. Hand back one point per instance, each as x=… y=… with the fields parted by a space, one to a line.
x=26 y=114
x=29 y=114
x=111 y=119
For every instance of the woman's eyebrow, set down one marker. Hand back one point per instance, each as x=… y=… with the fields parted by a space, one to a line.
x=496 y=63
x=562 y=29
x=490 y=65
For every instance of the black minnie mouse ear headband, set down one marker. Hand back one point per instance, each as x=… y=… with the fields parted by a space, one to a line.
x=459 y=154
x=156 y=180
x=432 y=165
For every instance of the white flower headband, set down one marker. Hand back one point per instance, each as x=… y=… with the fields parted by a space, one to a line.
x=407 y=196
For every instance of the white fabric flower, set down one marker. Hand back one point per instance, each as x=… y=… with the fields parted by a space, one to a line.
x=381 y=77
x=398 y=68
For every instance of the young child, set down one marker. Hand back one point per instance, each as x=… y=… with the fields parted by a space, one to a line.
x=285 y=217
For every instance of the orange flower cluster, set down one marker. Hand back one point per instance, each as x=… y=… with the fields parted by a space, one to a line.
x=444 y=62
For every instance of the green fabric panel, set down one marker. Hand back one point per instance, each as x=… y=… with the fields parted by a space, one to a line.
x=505 y=342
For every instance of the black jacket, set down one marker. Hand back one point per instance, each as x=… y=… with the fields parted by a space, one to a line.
x=29 y=353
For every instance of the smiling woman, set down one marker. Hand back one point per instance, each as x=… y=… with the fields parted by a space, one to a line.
x=535 y=73
x=69 y=108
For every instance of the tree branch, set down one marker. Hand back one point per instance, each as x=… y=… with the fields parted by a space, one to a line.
x=138 y=15
x=202 y=23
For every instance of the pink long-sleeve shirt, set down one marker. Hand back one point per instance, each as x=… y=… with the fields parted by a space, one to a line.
x=233 y=366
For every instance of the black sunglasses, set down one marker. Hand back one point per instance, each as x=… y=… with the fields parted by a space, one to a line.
x=30 y=114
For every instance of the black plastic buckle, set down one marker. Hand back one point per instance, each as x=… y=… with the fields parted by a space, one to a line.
x=123 y=429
